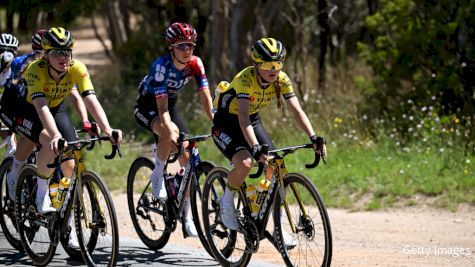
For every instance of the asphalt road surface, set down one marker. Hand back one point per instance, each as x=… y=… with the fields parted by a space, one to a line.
x=132 y=253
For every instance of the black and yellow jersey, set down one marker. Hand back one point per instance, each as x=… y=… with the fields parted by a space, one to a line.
x=245 y=86
x=40 y=83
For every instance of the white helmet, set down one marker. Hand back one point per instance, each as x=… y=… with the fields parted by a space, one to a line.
x=9 y=42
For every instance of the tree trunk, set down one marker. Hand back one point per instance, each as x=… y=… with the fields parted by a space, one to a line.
x=324 y=37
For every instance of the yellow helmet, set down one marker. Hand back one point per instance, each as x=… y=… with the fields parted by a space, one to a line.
x=57 y=38
x=267 y=49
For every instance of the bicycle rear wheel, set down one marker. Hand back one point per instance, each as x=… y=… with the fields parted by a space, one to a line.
x=7 y=209
x=195 y=197
x=311 y=244
x=39 y=243
x=96 y=222
x=228 y=246
x=150 y=216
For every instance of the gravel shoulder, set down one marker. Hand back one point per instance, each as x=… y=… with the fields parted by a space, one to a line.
x=415 y=236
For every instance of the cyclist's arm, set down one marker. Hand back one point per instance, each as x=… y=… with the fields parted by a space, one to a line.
x=99 y=115
x=300 y=116
x=79 y=105
x=206 y=102
x=46 y=117
x=245 y=122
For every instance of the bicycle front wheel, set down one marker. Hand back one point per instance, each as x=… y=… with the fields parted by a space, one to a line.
x=7 y=209
x=303 y=231
x=96 y=222
x=149 y=215
x=201 y=172
x=229 y=247
x=39 y=243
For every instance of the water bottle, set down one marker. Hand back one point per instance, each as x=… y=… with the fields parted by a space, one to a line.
x=262 y=188
x=178 y=177
x=171 y=184
x=53 y=192
x=63 y=190
x=251 y=193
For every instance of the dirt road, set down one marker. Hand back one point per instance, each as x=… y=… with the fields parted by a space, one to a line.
x=416 y=236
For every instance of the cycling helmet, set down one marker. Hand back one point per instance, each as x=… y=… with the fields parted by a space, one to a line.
x=36 y=39
x=267 y=49
x=8 y=41
x=180 y=32
x=57 y=38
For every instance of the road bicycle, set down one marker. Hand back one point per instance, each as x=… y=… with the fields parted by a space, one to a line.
x=87 y=198
x=301 y=227
x=154 y=220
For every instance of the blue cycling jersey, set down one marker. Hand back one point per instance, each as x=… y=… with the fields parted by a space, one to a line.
x=164 y=79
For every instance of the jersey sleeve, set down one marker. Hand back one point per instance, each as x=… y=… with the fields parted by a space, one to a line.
x=81 y=78
x=242 y=83
x=158 y=77
x=199 y=73
x=34 y=80
x=287 y=89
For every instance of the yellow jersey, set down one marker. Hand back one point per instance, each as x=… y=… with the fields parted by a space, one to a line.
x=245 y=86
x=40 y=83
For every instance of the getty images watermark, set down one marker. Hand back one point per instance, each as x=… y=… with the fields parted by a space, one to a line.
x=437 y=251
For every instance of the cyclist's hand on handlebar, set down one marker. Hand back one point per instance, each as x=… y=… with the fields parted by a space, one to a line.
x=319 y=145
x=91 y=128
x=258 y=154
x=109 y=134
x=53 y=144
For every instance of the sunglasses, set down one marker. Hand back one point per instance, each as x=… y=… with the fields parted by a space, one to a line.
x=271 y=65
x=60 y=53
x=184 y=46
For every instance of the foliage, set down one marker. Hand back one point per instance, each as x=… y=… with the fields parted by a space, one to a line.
x=418 y=57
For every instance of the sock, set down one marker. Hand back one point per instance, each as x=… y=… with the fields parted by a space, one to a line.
x=16 y=166
x=157 y=174
x=42 y=189
x=186 y=209
x=228 y=196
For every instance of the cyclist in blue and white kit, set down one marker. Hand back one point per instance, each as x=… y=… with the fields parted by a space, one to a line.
x=156 y=108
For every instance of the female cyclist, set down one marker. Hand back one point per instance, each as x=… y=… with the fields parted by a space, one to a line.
x=237 y=129
x=44 y=118
x=156 y=108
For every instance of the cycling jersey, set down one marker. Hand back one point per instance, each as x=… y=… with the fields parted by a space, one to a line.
x=245 y=86
x=4 y=76
x=40 y=83
x=166 y=80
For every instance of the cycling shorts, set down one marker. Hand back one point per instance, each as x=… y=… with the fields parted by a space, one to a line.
x=146 y=113
x=9 y=106
x=228 y=136
x=30 y=125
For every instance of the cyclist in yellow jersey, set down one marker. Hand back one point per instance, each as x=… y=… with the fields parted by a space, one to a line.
x=44 y=118
x=237 y=129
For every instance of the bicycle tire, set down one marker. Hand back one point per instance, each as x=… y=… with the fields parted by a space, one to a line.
x=7 y=212
x=312 y=245
x=228 y=246
x=31 y=235
x=138 y=180
x=203 y=167
x=102 y=246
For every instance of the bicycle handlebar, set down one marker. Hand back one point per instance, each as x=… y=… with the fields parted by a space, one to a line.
x=80 y=144
x=285 y=151
x=183 y=137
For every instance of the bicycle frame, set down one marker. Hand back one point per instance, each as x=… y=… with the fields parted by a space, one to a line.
x=276 y=187
x=190 y=170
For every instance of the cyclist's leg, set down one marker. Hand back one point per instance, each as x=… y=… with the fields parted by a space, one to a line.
x=177 y=118
x=65 y=126
x=147 y=116
x=231 y=142
x=24 y=148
